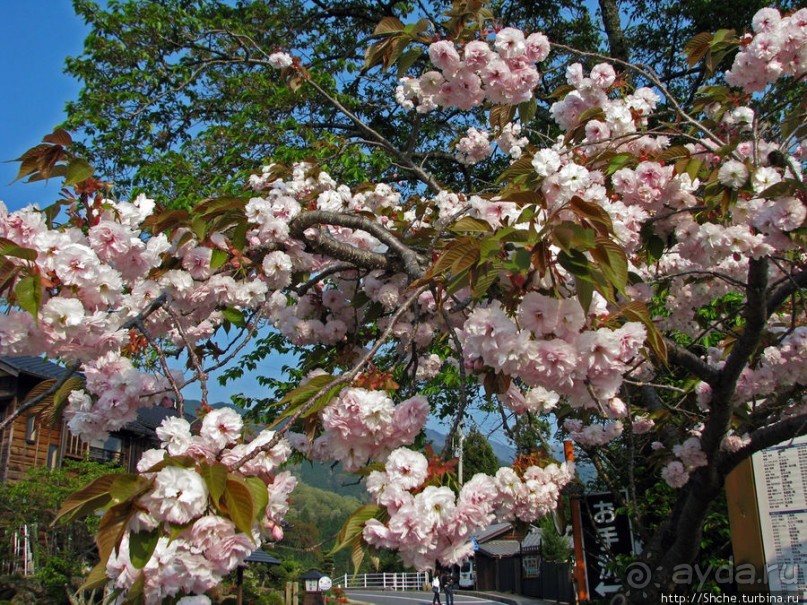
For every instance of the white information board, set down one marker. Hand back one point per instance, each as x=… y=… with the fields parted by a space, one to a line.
x=780 y=474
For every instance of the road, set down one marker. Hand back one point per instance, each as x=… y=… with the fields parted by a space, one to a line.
x=411 y=597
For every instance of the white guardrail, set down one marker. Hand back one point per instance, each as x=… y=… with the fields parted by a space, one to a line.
x=384 y=581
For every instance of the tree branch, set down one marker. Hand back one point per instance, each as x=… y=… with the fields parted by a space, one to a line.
x=762 y=438
x=784 y=290
x=678 y=355
x=617 y=44
x=315 y=279
x=410 y=262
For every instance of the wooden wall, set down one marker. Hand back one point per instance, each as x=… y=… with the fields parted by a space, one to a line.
x=19 y=454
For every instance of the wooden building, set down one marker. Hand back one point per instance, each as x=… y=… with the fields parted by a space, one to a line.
x=512 y=563
x=29 y=441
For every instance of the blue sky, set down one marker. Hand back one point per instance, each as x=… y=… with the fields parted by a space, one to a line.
x=35 y=38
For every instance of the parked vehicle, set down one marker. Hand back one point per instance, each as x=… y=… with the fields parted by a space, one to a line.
x=467 y=574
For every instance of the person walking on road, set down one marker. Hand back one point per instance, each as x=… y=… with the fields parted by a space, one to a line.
x=436 y=590
x=448 y=587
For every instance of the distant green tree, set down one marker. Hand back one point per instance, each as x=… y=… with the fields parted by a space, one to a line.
x=61 y=552
x=554 y=547
x=177 y=99
x=530 y=432
x=478 y=456
x=314 y=519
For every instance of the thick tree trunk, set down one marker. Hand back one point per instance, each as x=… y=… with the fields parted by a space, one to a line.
x=617 y=44
x=677 y=543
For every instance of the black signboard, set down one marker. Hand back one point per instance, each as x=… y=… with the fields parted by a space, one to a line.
x=605 y=535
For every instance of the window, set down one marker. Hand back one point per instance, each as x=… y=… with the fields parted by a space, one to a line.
x=53 y=456
x=106 y=450
x=531 y=565
x=31 y=430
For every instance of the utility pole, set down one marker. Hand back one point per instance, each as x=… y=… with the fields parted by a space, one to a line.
x=458 y=451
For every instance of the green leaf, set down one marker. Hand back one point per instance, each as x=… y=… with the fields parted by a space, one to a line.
x=619 y=161
x=28 y=166
x=78 y=170
x=522 y=260
x=561 y=91
x=218 y=258
x=218 y=206
x=60 y=401
x=591 y=113
x=28 y=294
x=128 y=486
x=110 y=530
x=96 y=578
x=86 y=500
x=593 y=214
x=300 y=396
x=142 y=545
x=260 y=495
x=134 y=594
x=239 y=236
x=585 y=293
x=469 y=257
x=780 y=189
x=59 y=137
x=408 y=59
x=396 y=49
x=234 y=316
x=414 y=29
x=470 y=224
x=612 y=261
x=240 y=506
x=501 y=116
x=653 y=244
x=215 y=476
x=199 y=226
x=455 y=253
x=484 y=282
x=572 y=237
x=522 y=236
x=527 y=110
x=58 y=170
x=693 y=168
x=723 y=36
x=672 y=154
x=357 y=555
x=576 y=263
x=9 y=248
x=489 y=248
x=519 y=169
x=637 y=311
x=522 y=198
x=697 y=47
x=354 y=525
x=389 y=25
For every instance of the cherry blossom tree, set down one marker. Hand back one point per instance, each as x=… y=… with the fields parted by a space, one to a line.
x=639 y=277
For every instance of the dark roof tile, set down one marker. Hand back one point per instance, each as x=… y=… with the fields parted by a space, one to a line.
x=260 y=556
x=500 y=548
x=35 y=366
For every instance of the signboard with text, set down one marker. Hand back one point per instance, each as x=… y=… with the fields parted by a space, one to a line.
x=780 y=474
x=605 y=535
